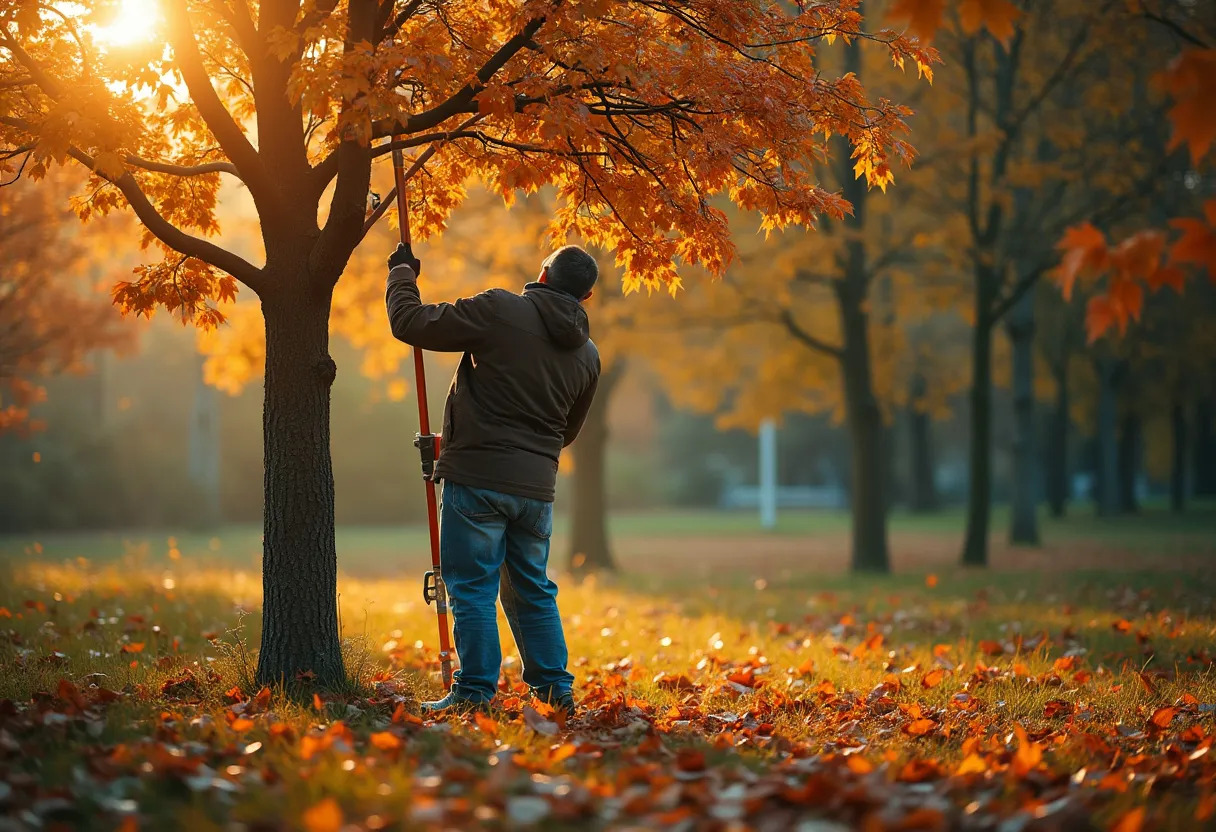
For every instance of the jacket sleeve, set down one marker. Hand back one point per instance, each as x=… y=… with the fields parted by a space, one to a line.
x=578 y=413
x=440 y=327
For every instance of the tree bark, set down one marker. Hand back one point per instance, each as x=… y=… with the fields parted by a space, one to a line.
x=869 y=469
x=1056 y=461
x=299 y=557
x=589 y=547
x=1204 y=451
x=923 y=497
x=1178 y=472
x=979 y=491
x=1106 y=480
x=1024 y=520
x=1129 y=463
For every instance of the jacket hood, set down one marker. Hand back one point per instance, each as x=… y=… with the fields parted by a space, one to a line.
x=564 y=317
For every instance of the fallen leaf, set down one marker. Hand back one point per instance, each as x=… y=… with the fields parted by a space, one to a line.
x=538 y=723
x=1132 y=821
x=933 y=678
x=1162 y=717
x=326 y=816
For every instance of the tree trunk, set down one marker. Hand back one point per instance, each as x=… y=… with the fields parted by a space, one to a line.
x=1178 y=472
x=1106 y=479
x=1056 y=461
x=589 y=548
x=204 y=466
x=923 y=496
x=869 y=468
x=979 y=491
x=1024 y=521
x=299 y=558
x=1204 y=451
x=1129 y=463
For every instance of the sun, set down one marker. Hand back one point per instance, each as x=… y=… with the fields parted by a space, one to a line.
x=135 y=22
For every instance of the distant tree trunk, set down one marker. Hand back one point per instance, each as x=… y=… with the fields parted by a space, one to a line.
x=589 y=548
x=1056 y=460
x=1106 y=480
x=1024 y=521
x=205 y=452
x=922 y=497
x=979 y=492
x=1204 y=451
x=868 y=503
x=1129 y=463
x=1178 y=472
x=299 y=558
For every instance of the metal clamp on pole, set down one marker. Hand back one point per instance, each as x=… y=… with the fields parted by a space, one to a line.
x=430 y=587
x=428 y=448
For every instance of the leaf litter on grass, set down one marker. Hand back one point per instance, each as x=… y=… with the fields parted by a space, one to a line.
x=852 y=715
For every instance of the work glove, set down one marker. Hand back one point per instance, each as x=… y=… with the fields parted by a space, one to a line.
x=404 y=256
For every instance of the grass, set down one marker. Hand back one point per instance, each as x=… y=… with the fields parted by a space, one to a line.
x=1073 y=697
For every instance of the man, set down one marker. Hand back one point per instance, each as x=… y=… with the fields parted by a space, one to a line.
x=520 y=395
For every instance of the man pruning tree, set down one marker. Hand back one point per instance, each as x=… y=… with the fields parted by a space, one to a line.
x=519 y=395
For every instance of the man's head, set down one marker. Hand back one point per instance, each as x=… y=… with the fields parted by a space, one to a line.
x=571 y=270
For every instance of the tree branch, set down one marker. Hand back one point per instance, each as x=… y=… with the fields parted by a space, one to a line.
x=232 y=139
x=460 y=101
x=182 y=170
x=174 y=237
x=800 y=334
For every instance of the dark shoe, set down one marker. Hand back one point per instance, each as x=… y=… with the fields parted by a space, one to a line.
x=453 y=704
x=565 y=704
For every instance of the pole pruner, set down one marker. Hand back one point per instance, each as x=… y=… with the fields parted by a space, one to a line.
x=433 y=589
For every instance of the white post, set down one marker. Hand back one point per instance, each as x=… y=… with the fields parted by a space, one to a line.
x=768 y=474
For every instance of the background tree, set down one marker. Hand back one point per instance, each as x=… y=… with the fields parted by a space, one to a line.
x=52 y=315
x=637 y=112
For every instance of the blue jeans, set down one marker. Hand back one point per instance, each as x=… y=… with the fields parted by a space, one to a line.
x=487 y=538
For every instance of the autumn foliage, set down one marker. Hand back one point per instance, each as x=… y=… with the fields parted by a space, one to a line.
x=930 y=705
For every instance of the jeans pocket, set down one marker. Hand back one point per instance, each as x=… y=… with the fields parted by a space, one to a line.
x=542 y=524
x=468 y=502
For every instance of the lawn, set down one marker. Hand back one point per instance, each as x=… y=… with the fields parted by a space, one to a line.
x=758 y=691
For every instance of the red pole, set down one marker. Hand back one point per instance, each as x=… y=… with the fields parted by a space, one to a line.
x=433 y=586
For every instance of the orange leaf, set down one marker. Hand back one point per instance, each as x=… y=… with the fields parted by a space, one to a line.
x=326 y=816
x=922 y=17
x=930 y=581
x=133 y=647
x=241 y=725
x=317 y=702
x=1162 y=717
x=1132 y=821
x=1122 y=626
x=538 y=723
x=972 y=764
x=1189 y=82
x=562 y=752
x=995 y=15
x=992 y=648
x=919 y=727
x=1099 y=317
x=386 y=741
x=262 y=700
x=1084 y=250
x=1206 y=807
x=484 y=724
x=933 y=678
x=1029 y=754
